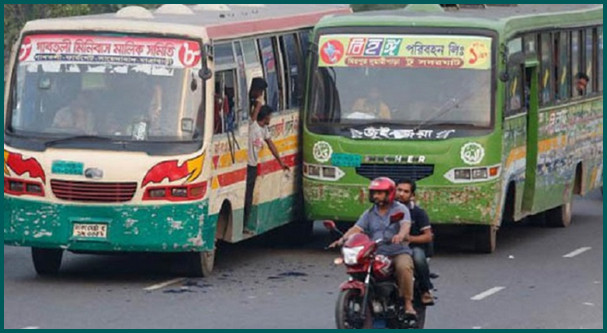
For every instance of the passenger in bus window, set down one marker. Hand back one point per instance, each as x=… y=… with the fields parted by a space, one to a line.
x=581 y=82
x=256 y=96
x=372 y=105
x=75 y=117
x=221 y=104
x=258 y=134
x=154 y=112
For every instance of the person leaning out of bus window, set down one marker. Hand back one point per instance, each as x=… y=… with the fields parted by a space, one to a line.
x=372 y=105
x=76 y=116
x=256 y=96
x=581 y=82
x=258 y=134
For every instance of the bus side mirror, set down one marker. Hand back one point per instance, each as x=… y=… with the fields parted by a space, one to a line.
x=205 y=74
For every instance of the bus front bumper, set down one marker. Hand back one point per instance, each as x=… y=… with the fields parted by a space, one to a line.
x=475 y=204
x=128 y=228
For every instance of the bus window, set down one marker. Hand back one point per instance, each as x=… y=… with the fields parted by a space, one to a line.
x=250 y=52
x=576 y=59
x=304 y=37
x=515 y=100
x=243 y=101
x=269 y=68
x=293 y=67
x=224 y=54
x=600 y=58
x=589 y=59
x=225 y=101
x=530 y=42
x=563 y=73
x=547 y=69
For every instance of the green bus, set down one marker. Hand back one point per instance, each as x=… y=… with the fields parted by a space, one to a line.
x=495 y=110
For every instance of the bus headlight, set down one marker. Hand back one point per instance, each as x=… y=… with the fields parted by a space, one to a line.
x=321 y=172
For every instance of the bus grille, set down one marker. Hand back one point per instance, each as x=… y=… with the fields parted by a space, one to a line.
x=414 y=172
x=93 y=192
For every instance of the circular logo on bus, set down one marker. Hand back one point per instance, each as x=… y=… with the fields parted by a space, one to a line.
x=322 y=151
x=472 y=153
x=332 y=51
x=189 y=54
x=26 y=49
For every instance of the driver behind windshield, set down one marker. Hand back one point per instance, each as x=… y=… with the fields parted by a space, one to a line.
x=372 y=106
x=76 y=116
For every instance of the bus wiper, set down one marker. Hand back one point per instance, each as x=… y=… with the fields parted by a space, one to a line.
x=78 y=138
x=443 y=111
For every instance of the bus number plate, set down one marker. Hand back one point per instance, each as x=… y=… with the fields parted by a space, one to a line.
x=82 y=230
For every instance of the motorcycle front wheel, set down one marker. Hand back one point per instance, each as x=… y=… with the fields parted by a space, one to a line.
x=348 y=311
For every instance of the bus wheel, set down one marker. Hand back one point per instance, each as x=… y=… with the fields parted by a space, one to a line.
x=202 y=263
x=560 y=217
x=47 y=261
x=485 y=239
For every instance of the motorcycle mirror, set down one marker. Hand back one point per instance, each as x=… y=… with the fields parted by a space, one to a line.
x=395 y=218
x=329 y=225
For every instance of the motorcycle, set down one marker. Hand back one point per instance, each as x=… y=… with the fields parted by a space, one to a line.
x=371 y=298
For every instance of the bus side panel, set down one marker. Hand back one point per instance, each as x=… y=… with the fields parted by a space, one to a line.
x=570 y=136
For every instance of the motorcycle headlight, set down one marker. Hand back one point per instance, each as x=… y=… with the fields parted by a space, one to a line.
x=351 y=254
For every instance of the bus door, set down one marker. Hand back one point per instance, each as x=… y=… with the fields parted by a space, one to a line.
x=532 y=102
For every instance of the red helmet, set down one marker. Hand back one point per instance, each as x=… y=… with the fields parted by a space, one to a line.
x=383 y=184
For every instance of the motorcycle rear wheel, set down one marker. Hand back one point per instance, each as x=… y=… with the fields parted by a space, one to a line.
x=347 y=311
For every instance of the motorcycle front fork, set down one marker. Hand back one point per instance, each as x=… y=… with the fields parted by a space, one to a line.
x=366 y=296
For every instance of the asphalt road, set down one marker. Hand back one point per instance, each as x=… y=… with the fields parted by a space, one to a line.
x=538 y=278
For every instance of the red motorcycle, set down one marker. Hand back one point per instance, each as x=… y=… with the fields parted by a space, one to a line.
x=371 y=298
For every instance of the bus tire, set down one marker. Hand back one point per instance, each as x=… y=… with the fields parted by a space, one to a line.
x=47 y=261
x=560 y=217
x=201 y=264
x=485 y=239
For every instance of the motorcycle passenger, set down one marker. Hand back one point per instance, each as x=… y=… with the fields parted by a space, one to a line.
x=376 y=223
x=420 y=237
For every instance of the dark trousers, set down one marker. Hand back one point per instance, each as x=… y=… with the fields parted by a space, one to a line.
x=422 y=270
x=248 y=197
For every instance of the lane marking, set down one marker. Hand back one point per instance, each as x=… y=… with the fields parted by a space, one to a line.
x=487 y=293
x=31 y=328
x=577 y=252
x=164 y=284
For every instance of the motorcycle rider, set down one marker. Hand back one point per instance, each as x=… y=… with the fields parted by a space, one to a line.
x=376 y=223
x=420 y=237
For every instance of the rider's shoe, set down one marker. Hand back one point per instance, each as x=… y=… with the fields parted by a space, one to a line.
x=427 y=299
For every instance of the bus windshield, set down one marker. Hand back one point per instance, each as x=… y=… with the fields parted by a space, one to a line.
x=415 y=81
x=68 y=86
